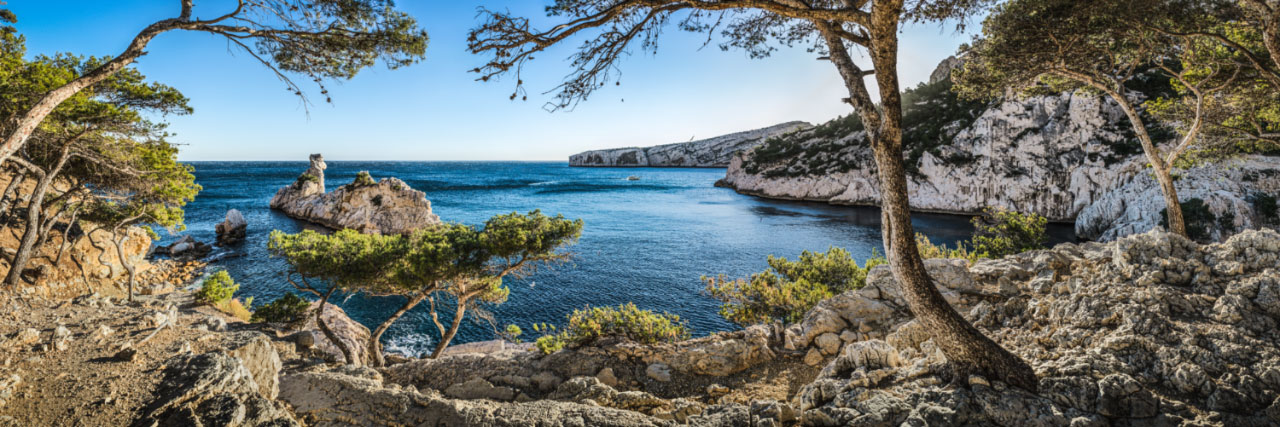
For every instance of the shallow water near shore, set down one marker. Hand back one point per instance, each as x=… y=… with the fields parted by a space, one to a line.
x=646 y=241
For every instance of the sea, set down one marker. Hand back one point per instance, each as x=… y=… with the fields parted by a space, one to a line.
x=648 y=241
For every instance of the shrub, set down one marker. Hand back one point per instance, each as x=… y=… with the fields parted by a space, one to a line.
x=788 y=289
x=1266 y=206
x=216 y=289
x=929 y=250
x=999 y=232
x=363 y=178
x=287 y=309
x=624 y=321
x=1199 y=220
x=512 y=333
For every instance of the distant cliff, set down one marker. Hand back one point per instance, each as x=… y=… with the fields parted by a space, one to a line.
x=707 y=153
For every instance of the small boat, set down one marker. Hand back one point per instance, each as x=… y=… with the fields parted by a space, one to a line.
x=633 y=178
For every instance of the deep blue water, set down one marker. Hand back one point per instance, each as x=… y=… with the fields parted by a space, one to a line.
x=645 y=241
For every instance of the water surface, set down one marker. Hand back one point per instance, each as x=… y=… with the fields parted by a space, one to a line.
x=646 y=241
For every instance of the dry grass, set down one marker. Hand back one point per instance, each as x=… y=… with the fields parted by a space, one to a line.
x=234 y=308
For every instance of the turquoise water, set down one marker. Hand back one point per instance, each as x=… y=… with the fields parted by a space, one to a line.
x=645 y=241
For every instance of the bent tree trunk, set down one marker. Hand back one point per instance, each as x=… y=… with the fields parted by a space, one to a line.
x=1173 y=210
x=124 y=261
x=453 y=329
x=966 y=348
x=328 y=333
x=34 y=211
x=375 y=339
x=26 y=123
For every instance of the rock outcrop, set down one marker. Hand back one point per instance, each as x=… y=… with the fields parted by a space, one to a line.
x=232 y=229
x=1152 y=329
x=707 y=153
x=388 y=206
x=1054 y=155
x=1228 y=190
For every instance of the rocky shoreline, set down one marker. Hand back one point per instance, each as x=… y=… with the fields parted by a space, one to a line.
x=1068 y=157
x=1152 y=329
x=707 y=153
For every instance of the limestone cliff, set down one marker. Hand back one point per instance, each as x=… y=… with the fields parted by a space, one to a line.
x=707 y=153
x=387 y=206
x=1054 y=155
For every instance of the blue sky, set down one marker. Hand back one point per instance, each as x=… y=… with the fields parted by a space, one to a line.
x=436 y=111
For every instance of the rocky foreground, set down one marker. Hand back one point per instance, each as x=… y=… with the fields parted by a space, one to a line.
x=707 y=153
x=388 y=206
x=1151 y=329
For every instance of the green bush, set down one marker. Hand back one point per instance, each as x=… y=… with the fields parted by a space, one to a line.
x=512 y=333
x=363 y=178
x=1196 y=215
x=216 y=289
x=999 y=232
x=624 y=321
x=788 y=289
x=287 y=309
x=1266 y=206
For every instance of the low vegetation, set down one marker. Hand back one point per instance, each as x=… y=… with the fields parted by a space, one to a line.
x=218 y=290
x=362 y=179
x=453 y=267
x=289 y=308
x=625 y=321
x=1000 y=232
x=787 y=290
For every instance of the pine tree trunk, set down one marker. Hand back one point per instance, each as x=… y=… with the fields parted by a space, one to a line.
x=124 y=261
x=966 y=348
x=328 y=333
x=453 y=329
x=34 y=211
x=375 y=339
x=1173 y=210
x=29 y=236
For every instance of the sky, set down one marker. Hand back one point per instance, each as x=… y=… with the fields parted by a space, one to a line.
x=435 y=110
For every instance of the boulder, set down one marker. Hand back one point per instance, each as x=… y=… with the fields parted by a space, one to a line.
x=350 y=332
x=719 y=355
x=212 y=389
x=186 y=248
x=232 y=229
x=388 y=206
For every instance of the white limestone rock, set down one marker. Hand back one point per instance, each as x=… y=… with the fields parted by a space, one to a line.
x=388 y=206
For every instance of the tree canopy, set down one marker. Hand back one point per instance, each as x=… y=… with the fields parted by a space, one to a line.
x=313 y=39
x=459 y=263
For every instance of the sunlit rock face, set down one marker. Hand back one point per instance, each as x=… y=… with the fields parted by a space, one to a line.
x=388 y=206
x=1052 y=155
x=713 y=152
x=1070 y=157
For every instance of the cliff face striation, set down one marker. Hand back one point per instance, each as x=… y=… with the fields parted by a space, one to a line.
x=387 y=206
x=1054 y=155
x=707 y=153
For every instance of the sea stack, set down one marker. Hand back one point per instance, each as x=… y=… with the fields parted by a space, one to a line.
x=387 y=206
